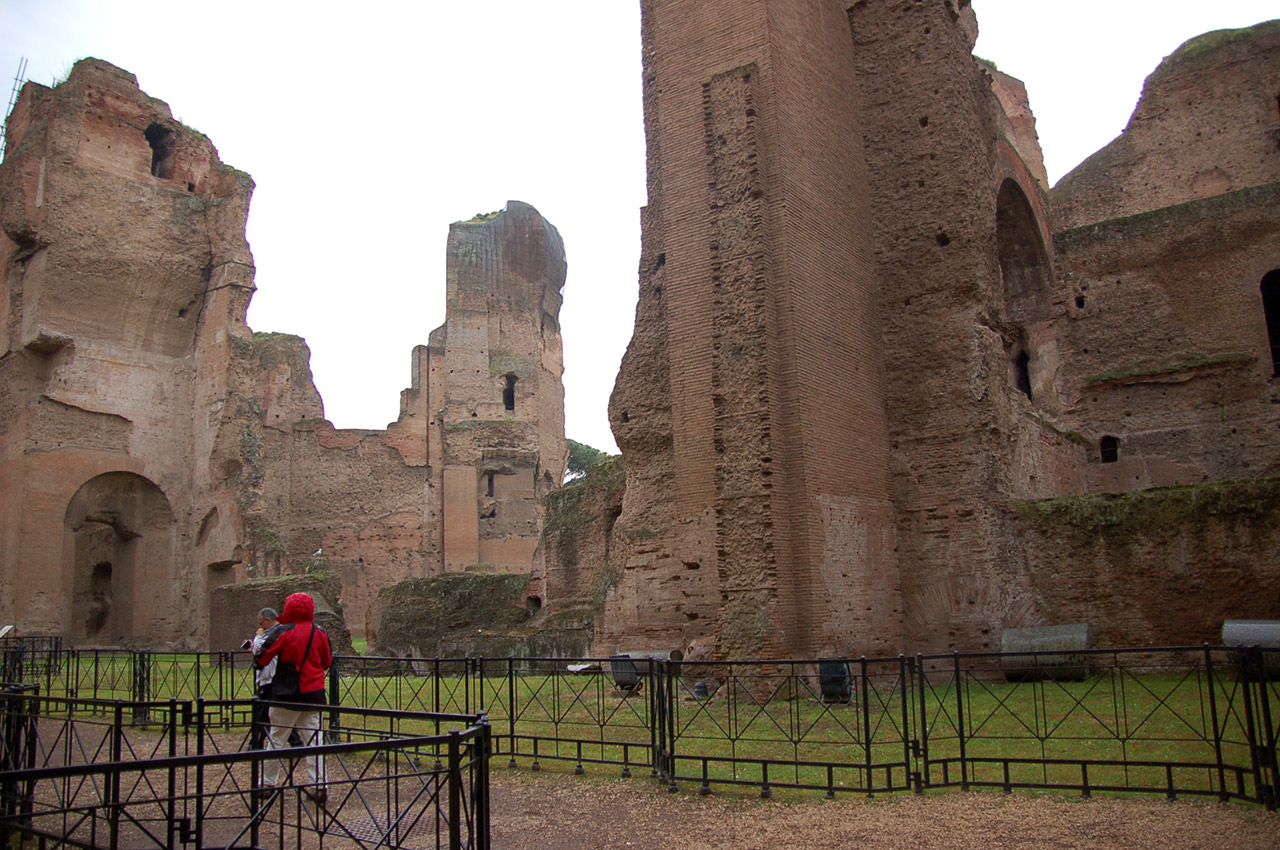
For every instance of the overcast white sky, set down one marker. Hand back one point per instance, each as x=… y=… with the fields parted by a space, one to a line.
x=369 y=127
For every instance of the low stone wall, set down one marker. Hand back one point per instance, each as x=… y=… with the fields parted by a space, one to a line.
x=1155 y=567
x=233 y=608
x=468 y=614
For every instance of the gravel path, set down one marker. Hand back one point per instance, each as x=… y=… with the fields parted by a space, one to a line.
x=536 y=811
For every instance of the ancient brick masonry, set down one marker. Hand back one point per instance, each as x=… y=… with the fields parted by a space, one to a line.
x=126 y=277
x=153 y=449
x=456 y=482
x=777 y=534
x=863 y=360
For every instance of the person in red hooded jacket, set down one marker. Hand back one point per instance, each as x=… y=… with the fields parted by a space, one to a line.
x=298 y=641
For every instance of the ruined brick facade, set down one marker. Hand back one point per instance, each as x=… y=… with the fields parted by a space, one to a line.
x=886 y=390
x=867 y=332
x=153 y=449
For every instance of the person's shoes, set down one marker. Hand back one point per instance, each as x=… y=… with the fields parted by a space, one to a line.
x=316 y=795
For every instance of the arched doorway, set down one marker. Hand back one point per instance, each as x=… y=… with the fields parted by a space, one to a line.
x=120 y=539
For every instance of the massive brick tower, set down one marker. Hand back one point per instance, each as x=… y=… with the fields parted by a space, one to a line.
x=496 y=398
x=836 y=402
x=759 y=497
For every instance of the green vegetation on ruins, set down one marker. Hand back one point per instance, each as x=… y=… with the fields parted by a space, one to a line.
x=1151 y=369
x=582 y=457
x=1167 y=509
x=1211 y=41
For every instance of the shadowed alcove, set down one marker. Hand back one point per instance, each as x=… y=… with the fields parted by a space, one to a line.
x=120 y=538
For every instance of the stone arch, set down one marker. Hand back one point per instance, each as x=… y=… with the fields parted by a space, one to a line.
x=1024 y=263
x=120 y=562
x=1025 y=274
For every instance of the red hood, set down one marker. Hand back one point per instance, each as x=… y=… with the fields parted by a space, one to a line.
x=298 y=608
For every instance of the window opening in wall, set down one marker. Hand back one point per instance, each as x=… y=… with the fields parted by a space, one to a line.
x=1109 y=448
x=488 y=485
x=1022 y=372
x=509 y=393
x=535 y=603
x=99 y=597
x=1271 y=307
x=161 y=141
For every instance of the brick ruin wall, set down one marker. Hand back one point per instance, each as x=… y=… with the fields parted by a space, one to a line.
x=126 y=276
x=155 y=450
x=1013 y=337
x=456 y=483
x=1177 y=560
x=772 y=508
x=876 y=364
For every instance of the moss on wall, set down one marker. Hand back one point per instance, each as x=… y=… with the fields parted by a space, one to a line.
x=1209 y=42
x=1144 y=512
x=1155 y=370
x=435 y=617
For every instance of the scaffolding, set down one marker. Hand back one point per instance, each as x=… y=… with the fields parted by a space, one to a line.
x=18 y=79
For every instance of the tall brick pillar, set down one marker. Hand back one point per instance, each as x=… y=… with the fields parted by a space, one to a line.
x=758 y=284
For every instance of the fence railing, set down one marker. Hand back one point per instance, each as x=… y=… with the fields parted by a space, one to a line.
x=182 y=775
x=1170 y=721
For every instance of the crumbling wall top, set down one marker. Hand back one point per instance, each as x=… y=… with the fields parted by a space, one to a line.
x=515 y=254
x=1206 y=125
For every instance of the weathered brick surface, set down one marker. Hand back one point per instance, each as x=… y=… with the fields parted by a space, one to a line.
x=1207 y=124
x=1177 y=560
x=456 y=482
x=125 y=275
x=154 y=450
x=858 y=340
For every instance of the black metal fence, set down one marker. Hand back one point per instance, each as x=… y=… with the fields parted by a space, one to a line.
x=1170 y=721
x=180 y=773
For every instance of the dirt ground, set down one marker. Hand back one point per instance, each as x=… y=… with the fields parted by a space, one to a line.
x=532 y=811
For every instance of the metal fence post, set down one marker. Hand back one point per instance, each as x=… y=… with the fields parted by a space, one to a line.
x=334 y=735
x=666 y=674
x=201 y=719
x=657 y=730
x=964 y=764
x=1246 y=673
x=1213 y=719
x=511 y=710
x=922 y=733
x=905 y=668
x=480 y=789
x=1267 y=737
x=866 y=728
x=455 y=792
